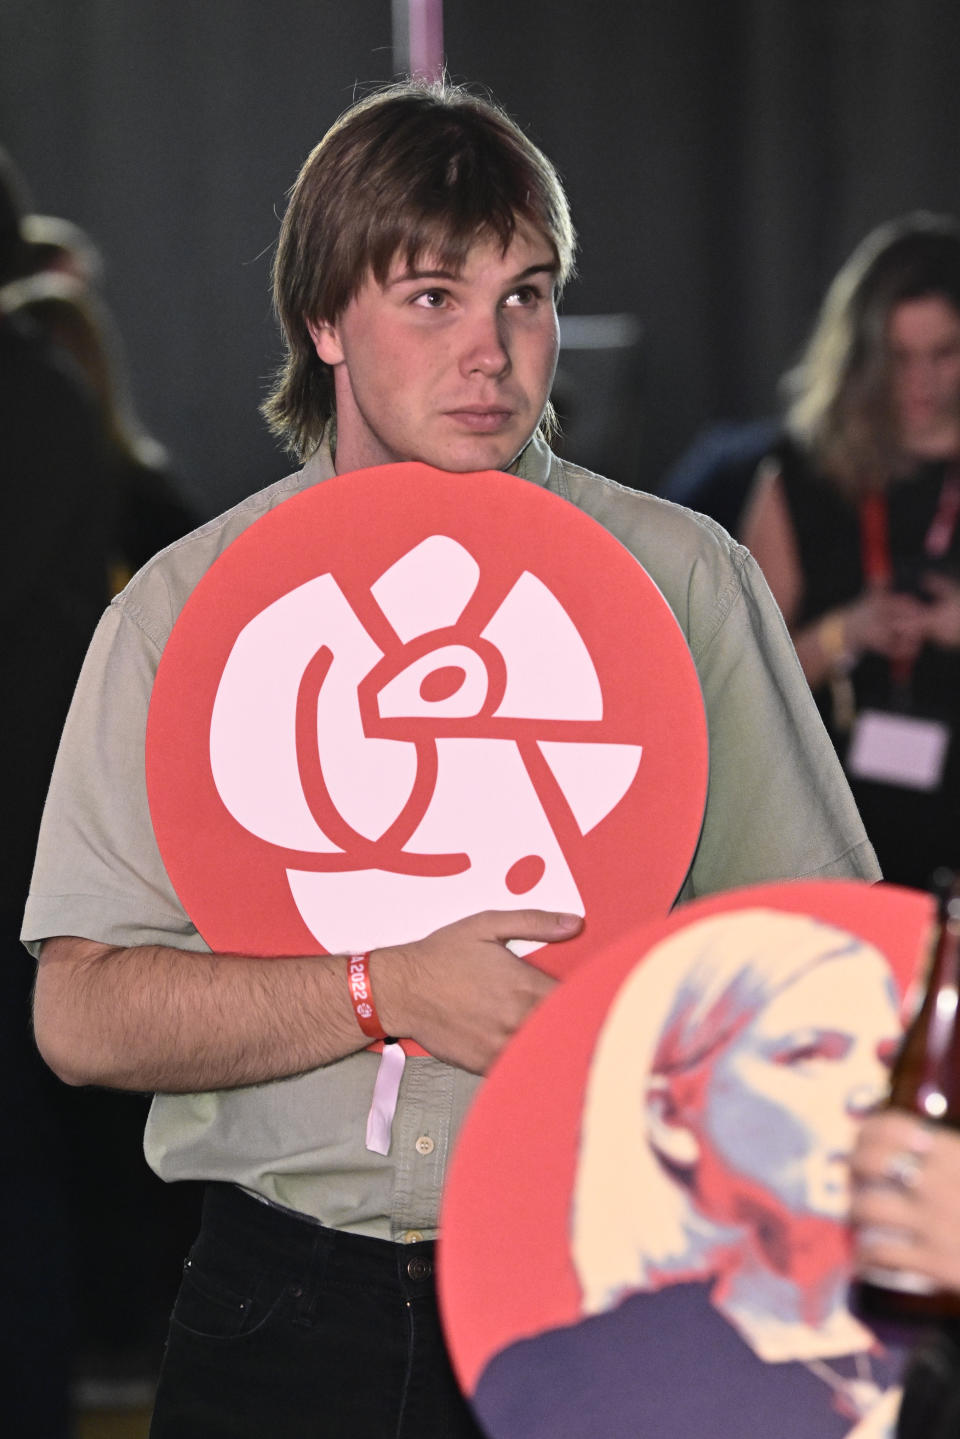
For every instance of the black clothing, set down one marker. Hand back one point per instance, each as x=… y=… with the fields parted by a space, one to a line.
x=148 y=512
x=53 y=586
x=53 y=580
x=289 y=1329
x=931 y=1397
x=79 y=1187
x=913 y=832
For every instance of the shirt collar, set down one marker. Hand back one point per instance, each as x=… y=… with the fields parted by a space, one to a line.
x=320 y=465
x=534 y=463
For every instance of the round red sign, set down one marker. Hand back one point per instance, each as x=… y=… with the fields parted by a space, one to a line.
x=404 y=696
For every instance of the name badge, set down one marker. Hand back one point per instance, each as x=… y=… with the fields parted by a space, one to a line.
x=898 y=749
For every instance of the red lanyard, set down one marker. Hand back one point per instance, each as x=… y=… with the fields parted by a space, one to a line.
x=875 y=552
x=875 y=541
x=875 y=529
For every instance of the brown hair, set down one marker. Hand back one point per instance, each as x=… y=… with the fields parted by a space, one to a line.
x=839 y=394
x=415 y=168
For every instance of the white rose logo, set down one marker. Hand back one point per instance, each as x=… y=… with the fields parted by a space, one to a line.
x=404 y=772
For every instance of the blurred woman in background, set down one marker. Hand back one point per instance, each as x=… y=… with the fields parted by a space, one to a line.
x=93 y=500
x=856 y=525
x=144 y=507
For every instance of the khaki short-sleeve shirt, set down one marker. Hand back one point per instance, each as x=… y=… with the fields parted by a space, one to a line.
x=778 y=807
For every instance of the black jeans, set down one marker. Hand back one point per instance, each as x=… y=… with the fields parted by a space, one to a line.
x=286 y=1330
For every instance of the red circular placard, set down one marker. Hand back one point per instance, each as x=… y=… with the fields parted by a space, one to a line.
x=403 y=696
x=510 y=1187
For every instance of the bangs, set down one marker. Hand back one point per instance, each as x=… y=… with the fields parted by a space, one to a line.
x=444 y=240
x=467 y=186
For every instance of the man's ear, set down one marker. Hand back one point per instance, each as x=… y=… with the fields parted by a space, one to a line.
x=326 y=341
x=669 y=1132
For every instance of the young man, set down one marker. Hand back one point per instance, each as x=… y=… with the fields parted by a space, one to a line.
x=421 y=255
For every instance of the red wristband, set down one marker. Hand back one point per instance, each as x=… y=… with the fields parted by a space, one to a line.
x=361 y=996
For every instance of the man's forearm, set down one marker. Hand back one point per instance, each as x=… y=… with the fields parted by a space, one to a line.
x=159 y=1018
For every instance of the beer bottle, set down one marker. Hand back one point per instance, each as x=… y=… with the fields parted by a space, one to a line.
x=925 y=1080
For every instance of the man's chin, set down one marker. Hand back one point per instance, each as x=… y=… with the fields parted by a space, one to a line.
x=466 y=459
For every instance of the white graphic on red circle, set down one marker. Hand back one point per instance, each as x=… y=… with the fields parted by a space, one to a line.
x=402 y=697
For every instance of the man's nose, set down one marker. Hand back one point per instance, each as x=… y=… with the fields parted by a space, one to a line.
x=485 y=349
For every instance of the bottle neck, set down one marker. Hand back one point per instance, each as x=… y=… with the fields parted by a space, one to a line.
x=926 y=1075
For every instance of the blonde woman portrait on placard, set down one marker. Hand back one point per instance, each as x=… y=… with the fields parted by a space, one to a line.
x=709 y=1217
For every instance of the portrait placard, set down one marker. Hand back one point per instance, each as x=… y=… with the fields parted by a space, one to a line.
x=675 y=1192
x=404 y=696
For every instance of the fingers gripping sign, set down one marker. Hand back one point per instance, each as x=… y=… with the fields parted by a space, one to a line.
x=405 y=696
x=463 y=993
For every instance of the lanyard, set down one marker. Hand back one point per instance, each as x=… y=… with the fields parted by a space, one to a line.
x=875 y=551
x=875 y=529
x=944 y=523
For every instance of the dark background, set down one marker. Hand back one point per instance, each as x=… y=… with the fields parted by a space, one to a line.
x=722 y=159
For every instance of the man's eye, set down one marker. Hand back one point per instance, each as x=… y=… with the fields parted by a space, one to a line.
x=525 y=295
x=431 y=299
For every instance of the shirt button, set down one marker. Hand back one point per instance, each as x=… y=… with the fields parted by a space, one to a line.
x=412 y=1236
x=424 y=1144
x=419 y=1268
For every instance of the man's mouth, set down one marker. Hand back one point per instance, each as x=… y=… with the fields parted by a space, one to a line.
x=484 y=419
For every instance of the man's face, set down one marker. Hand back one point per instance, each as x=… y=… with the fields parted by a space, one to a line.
x=453 y=369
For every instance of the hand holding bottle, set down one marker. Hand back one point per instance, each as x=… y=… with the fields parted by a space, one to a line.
x=906 y=1168
x=906 y=1199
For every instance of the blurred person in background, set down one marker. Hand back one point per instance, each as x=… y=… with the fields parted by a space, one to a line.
x=855 y=522
x=59 y=246
x=145 y=510
x=53 y=585
x=90 y=500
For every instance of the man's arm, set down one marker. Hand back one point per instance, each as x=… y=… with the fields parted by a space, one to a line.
x=154 y=1017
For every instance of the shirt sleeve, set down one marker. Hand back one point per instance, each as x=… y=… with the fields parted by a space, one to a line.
x=778 y=802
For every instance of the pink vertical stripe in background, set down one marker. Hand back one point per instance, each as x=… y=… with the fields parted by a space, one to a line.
x=426 y=37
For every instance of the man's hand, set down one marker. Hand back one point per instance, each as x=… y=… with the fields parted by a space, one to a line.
x=460 y=992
